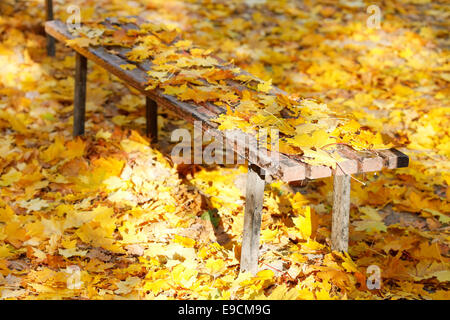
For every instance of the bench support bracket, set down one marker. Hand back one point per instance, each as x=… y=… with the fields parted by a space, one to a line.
x=341 y=213
x=252 y=219
x=50 y=39
x=151 y=115
x=79 y=101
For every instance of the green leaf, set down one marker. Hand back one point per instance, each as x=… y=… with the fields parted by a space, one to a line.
x=48 y=116
x=211 y=215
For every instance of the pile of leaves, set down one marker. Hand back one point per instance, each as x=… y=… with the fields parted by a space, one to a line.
x=107 y=216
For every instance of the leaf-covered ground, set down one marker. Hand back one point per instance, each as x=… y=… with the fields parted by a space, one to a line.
x=108 y=217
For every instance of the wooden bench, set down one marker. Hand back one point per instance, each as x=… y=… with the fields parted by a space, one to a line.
x=290 y=168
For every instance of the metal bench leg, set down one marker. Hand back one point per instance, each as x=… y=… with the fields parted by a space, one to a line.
x=341 y=213
x=79 y=101
x=50 y=39
x=252 y=219
x=151 y=115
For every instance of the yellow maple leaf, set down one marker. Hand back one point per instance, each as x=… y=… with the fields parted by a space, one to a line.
x=5 y=251
x=54 y=151
x=184 y=241
x=215 y=265
x=282 y=292
x=348 y=263
x=317 y=139
x=74 y=149
x=264 y=86
x=81 y=42
x=128 y=66
x=184 y=276
x=442 y=276
x=306 y=224
x=139 y=53
x=156 y=286
x=372 y=221
x=320 y=157
x=266 y=274
x=175 y=90
x=10 y=177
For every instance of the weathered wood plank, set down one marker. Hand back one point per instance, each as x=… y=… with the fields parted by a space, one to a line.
x=252 y=219
x=389 y=158
x=402 y=159
x=366 y=161
x=317 y=172
x=146 y=66
x=341 y=213
x=136 y=78
x=346 y=167
x=79 y=101
x=292 y=170
x=288 y=168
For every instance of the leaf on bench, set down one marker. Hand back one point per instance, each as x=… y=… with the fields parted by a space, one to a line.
x=197 y=80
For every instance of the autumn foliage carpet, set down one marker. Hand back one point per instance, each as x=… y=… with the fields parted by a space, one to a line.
x=107 y=216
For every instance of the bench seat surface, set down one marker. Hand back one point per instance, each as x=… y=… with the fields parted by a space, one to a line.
x=290 y=168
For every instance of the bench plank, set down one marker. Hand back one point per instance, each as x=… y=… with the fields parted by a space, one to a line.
x=137 y=78
x=290 y=167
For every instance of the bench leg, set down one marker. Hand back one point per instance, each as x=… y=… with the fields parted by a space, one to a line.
x=252 y=219
x=79 y=101
x=341 y=213
x=49 y=17
x=151 y=115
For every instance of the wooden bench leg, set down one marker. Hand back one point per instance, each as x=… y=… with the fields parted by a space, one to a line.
x=341 y=213
x=252 y=219
x=49 y=17
x=79 y=101
x=151 y=109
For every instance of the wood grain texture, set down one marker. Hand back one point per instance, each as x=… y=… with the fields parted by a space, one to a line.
x=341 y=213
x=252 y=219
x=402 y=160
x=389 y=158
